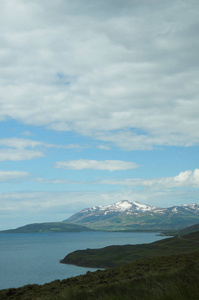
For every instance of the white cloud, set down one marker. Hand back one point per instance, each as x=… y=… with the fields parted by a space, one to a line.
x=27 y=133
x=183 y=179
x=103 y=147
x=110 y=165
x=19 y=154
x=59 y=181
x=186 y=179
x=107 y=70
x=12 y=175
x=20 y=143
x=128 y=140
x=16 y=149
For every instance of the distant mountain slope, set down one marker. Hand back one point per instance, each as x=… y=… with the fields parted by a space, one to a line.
x=48 y=227
x=127 y=215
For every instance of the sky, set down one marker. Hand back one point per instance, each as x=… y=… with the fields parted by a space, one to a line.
x=99 y=102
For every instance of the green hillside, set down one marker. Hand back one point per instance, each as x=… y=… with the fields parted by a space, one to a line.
x=114 y=256
x=140 y=222
x=189 y=229
x=174 y=277
x=183 y=231
x=48 y=227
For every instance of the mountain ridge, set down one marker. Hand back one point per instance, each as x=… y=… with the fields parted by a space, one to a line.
x=126 y=215
x=48 y=227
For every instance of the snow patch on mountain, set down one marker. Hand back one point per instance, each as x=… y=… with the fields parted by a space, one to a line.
x=119 y=206
x=122 y=206
x=126 y=215
x=143 y=207
x=192 y=206
x=132 y=208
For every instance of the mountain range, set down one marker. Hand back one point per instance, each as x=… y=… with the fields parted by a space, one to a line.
x=121 y=216
x=125 y=215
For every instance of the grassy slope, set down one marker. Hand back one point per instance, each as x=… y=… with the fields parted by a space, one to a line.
x=48 y=227
x=146 y=221
x=183 y=231
x=189 y=229
x=114 y=256
x=167 y=278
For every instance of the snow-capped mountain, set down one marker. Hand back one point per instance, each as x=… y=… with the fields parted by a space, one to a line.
x=122 y=206
x=125 y=215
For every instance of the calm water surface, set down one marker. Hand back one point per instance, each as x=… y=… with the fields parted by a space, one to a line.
x=34 y=258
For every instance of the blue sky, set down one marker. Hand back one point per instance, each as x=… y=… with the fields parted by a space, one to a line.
x=98 y=103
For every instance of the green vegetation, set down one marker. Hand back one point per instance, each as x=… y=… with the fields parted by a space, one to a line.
x=174 y=277
x=181 y=232
x=48 y=227
x=114 y=256
x=163 y=270
x=136 y=221
x=189 y=229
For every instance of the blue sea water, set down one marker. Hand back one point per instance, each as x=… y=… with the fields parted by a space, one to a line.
x=34 y=258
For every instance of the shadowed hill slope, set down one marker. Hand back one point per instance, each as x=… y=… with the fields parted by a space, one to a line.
x=168 y=277
x=189 y=229
x=114 y=256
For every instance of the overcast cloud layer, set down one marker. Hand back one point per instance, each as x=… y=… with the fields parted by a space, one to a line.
x=99 y=101
x=123 y=71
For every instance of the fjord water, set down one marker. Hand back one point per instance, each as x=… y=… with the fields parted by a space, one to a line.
x=34 y=258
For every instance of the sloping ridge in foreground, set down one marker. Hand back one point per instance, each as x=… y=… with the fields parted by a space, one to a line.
x=168 y=277
x=114 y=256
